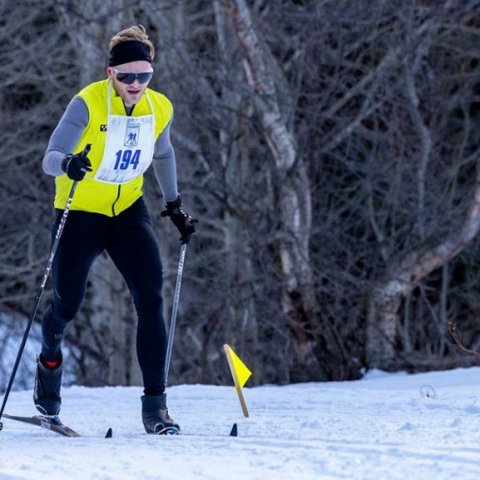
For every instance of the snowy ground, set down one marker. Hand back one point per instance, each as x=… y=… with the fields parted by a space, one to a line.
x=397 y=426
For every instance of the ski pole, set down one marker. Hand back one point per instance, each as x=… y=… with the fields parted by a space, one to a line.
x=173 y=319
x=53 y=251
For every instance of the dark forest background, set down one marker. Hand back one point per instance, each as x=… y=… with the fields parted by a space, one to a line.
x=330 y=150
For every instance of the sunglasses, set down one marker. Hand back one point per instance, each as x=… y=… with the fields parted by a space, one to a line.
x=129 y=78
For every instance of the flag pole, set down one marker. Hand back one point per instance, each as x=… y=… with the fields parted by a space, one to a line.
x=238 y=387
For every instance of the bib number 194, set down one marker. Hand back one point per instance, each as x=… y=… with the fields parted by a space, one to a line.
x=127 y=159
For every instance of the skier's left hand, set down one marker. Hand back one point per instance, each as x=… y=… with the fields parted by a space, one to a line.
x=181 y=219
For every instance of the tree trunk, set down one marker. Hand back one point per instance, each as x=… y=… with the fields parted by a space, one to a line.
x=402 y=275
x=241 y=326
x=294 y=200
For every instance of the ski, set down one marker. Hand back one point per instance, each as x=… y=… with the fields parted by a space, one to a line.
x=168 y=431
x=49 y=423
x=55 y=425
x=233 y=433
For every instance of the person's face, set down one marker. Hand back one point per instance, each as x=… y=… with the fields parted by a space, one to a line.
x=131 y=93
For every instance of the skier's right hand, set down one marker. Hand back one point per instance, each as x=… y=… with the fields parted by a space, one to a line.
x=76 y=165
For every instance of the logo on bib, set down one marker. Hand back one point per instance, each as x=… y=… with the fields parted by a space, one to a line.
x=103 y=127
x=131 y=134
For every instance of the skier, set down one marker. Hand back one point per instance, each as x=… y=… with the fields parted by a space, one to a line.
x=128 y=127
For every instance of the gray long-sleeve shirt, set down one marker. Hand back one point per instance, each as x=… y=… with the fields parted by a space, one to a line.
x=66 y=135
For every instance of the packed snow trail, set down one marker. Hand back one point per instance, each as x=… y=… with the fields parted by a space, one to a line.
x=388 y=426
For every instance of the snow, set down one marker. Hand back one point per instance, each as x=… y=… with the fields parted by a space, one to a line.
x=11 y=332
x=385 y=426
x=12 y=329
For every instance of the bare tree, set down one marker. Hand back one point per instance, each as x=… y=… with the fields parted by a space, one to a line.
x=330 y=150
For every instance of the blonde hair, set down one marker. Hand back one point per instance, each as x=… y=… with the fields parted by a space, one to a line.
x=137 y=32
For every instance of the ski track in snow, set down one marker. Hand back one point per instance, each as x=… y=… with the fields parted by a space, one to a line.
x=388 y=426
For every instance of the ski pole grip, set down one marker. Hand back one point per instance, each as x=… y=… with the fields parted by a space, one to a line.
x=84 y=154
x=87 y=148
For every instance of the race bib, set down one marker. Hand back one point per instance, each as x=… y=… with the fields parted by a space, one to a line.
x=129 y=147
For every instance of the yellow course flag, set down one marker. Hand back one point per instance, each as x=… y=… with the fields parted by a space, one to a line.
x=240 y=374
x=241 y=370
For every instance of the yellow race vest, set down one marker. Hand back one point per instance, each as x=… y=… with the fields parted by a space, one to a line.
x=92 y=195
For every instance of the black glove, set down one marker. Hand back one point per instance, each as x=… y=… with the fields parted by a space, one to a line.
x=77 y=165
x=181 y=219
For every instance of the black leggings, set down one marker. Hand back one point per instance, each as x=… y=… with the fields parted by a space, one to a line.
x=130 y=242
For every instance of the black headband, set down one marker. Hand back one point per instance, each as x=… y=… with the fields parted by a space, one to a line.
x=129 y=51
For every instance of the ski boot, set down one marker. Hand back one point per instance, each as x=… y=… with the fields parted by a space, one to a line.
x=46 y=391
x=155 y=415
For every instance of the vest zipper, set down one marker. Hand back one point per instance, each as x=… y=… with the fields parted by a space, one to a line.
x=116 y=200
x=129 y=114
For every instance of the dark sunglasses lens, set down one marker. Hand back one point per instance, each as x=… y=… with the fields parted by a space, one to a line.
x=129 y=78
x=144 y=77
